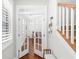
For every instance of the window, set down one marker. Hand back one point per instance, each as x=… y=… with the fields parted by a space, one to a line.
x=5 y=24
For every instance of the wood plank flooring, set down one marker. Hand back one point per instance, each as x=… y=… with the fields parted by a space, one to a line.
x=29 y=56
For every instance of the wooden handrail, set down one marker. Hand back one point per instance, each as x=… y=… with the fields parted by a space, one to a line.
x=69 y=5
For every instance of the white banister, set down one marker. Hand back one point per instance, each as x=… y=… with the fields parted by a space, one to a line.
x=67 y=23
x=72 y=26
x=59 y=18
x=63 y=20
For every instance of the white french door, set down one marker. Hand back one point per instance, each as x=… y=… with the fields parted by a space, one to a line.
x=22 y=40
x=37 y=22
x=38 y=42
x=38 y=46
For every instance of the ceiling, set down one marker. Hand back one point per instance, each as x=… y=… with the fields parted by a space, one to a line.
x=23 y=2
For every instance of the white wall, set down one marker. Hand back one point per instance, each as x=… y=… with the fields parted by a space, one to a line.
x=8 y=52
x=52 y=12
x=8 y=46
x=14 y=27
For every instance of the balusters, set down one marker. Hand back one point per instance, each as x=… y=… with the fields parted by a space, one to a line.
x=63 y=20
x=63 y=17
x=59 y=18
x=72 y=25
x=67 y=23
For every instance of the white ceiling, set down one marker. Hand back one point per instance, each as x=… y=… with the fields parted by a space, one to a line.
x=27 y=2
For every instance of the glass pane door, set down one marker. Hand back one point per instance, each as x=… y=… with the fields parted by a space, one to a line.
x=38 y=43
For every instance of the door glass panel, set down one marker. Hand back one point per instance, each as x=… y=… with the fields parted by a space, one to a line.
x=36 y=40
x=32 y=34
x=40 y=35
x=40 y=42
x=25 y=40
x=22 y=48
x=25 y=43
x=36 y=34
x=25 y=46
x=37 y=46
x=40 y=48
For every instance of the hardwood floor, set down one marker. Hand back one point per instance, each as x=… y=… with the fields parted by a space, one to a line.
x=29 y=56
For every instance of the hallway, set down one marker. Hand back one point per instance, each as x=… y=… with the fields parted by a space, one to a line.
x=38 y=29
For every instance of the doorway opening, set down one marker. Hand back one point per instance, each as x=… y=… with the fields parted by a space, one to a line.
x=31 y=46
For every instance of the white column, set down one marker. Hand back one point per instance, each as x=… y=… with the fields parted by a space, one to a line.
x=59 y=18
x=72 y=25
x=67 y=23
x=63 y=20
